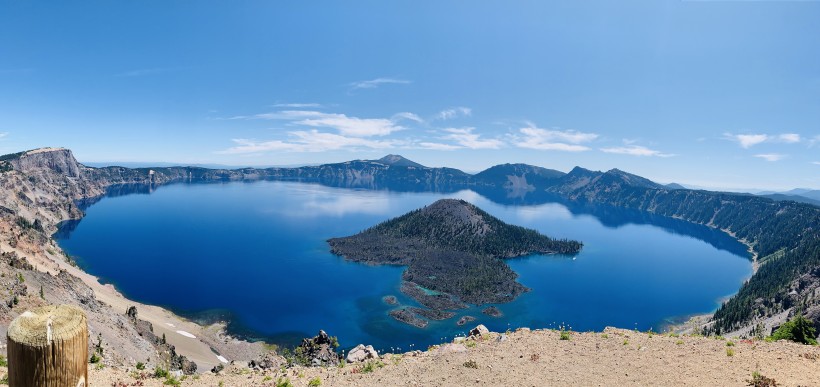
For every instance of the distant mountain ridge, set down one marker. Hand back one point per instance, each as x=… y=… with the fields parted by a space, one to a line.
x=399 y=161
x=803 y=195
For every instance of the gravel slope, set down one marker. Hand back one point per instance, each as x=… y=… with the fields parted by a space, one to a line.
x=614 y=357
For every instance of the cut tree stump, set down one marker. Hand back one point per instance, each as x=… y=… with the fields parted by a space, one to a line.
x=48 y=347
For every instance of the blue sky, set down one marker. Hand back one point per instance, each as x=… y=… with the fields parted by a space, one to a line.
x=719 y=94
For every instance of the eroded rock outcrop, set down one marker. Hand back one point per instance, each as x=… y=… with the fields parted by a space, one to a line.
x=319 y=350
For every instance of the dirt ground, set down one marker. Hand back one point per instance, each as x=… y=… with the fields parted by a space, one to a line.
x=614 y=357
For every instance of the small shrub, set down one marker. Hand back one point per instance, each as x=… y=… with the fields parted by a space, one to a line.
x=267 y=378
x=283 y=382
x=730 y=352
x=759 y=380
x=160 y=372
x=606 y=336
x=94 y=358
x=471 y=364
x=3 y=361
x=470 y=343
x=730 y=343
x=673 y=334
x=565 y=335
x=371 y=366
x=140 y=365
x=679 y=342
x=171 y=381
x=626 y=342
x=315 y=382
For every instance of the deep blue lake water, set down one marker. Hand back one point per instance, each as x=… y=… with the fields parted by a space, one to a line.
x=255 y=253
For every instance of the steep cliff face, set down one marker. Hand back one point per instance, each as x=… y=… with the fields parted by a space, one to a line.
x=59 y=160
x=35 y=194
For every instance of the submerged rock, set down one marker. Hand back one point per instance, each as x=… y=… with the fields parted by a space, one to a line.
x=492 y=312
x=406 y=316
x=464 y=320
x=437 y=300
x=390 y=300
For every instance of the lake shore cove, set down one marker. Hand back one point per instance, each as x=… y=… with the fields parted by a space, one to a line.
x=454 y=255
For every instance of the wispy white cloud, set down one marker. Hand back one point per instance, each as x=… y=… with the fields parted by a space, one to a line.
x=451 y=113
x=306 y=141
x=467 y=139
x=298 y=105
x=771 y=156
x=3 y=135
x=438 y=146
x=816 y=162
x=789 y=138
x=532 y=137
x=636 y=150
x=747 y=141
x=374 y=83
x=407 y=116
x=814 y=141
x=348 y=126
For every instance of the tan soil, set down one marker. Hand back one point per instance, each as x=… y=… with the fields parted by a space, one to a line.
x=615 y=357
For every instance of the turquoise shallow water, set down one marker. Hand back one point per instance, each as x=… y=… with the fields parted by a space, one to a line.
x=255 y=254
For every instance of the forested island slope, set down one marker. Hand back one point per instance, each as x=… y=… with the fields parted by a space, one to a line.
x=453 y=248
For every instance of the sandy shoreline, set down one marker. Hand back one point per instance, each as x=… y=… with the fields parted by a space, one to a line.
x=190 y=339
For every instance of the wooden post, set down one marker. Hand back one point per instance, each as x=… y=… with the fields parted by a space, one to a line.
x=48 y=347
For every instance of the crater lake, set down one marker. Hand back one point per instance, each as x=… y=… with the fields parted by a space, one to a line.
x=255 y=255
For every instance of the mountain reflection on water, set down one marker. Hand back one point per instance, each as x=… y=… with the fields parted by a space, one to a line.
x=254 y=254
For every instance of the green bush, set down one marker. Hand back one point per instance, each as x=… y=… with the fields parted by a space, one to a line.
x=315 y=382
x=798 y=329
x=160 y=372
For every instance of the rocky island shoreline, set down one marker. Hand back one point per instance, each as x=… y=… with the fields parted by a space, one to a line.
x=454 y=255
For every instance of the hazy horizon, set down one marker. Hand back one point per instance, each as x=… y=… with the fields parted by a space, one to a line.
x=711 y=94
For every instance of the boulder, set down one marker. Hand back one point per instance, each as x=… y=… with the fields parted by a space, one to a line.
x=361 y=353
x=480 y=330
x=268 y=361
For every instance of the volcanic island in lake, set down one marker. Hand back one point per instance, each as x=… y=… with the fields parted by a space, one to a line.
x=453 y=251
